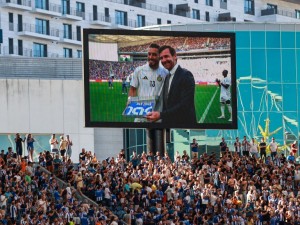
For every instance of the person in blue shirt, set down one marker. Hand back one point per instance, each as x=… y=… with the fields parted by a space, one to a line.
x=99 y=193
x=291 y=158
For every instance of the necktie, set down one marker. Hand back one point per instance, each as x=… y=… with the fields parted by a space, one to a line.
x=166 y=90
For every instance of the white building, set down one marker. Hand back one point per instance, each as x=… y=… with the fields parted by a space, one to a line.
x=52 y=28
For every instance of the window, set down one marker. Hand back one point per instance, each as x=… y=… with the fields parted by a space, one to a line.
x=196 y=14
x=11 y=21
x=171 y=9
x=106 y=13
x=158 y=20
x=207 y=16
x=95 y=12
x=66 y=7
x=79 y=53
x=42 y=4
x=10 y=46
x=20 y=47
x=196 y=1
x=68 y=31
x=141 y=21
x=209 y=2
x=169 y=22
x=249 y=7
x=20 y=22
x=80 y=9
x=121 y=18
x=67 y=53
x=42 y=26
x=297 y=14
x=78 y=33
x=39 y=50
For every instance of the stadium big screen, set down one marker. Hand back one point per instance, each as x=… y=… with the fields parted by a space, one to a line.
x=115 y=61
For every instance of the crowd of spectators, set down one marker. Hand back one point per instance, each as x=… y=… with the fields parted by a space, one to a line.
x=183 y=44
x=203 y=69
x=105 y=69
x=235 y=188
x=31 y=195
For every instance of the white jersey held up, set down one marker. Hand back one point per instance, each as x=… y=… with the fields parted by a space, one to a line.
x=147 y=81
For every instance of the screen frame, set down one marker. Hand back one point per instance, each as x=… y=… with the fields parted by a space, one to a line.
x=98 y=124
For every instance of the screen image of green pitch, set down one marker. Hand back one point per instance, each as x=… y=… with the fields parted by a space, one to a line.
x=107 y=104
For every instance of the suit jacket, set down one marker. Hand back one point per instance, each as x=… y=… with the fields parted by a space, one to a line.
x=179 y=111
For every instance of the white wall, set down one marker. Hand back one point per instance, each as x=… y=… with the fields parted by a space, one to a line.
x=45 y=107
x=54 y=106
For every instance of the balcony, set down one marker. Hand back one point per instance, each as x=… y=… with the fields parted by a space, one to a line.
x=129 y=25
x=52 y=10
x=225 y=17
x=137 y=3
x=182 y=10
x=31 y=30
x=100 y=19
x=72 y=14
x=73 y=39
x=145 y=5
x=269 y=11
x=275 y=15
x=15 y=51
x=24 y=5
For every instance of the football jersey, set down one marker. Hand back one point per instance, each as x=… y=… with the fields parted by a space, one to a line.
x=225 y=93
x=147 y=81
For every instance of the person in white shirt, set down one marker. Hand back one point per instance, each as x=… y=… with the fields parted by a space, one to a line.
x=253 y=148
x=225 y=95
x=273 y=148
x=147 y=80
x=53 y=144
x=245 y=146
x=237 y=146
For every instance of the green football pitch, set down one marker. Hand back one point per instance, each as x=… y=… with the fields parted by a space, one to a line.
x=107 y=105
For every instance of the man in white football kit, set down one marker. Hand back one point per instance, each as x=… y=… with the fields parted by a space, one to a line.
x=225 y=95
x=147 y=80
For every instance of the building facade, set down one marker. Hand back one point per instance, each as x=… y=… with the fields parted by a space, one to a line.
x=52 y=28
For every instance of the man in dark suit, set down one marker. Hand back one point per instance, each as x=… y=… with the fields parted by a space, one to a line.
x=178 y=93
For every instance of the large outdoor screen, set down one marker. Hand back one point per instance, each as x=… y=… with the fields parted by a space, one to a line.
x=159 y=79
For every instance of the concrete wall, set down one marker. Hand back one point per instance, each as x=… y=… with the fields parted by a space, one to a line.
x=53 y=106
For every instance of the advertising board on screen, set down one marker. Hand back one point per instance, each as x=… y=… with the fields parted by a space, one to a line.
x=159 y=79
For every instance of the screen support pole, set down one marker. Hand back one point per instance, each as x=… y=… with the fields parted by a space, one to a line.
x=156 y=141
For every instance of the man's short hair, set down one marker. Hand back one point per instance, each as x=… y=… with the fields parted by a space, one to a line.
x=172 y=50
x=154 y=45
x=225 y=72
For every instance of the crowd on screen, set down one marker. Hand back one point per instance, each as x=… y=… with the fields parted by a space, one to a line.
x=203 y=69
x=239 y=187
x=105 y=69
x=183 y=44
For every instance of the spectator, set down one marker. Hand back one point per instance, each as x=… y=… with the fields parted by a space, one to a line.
x=273 y=148
x=19 y=146
x=69 y=147
x=30 y=147
x=53 y=144
x=63 y=144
